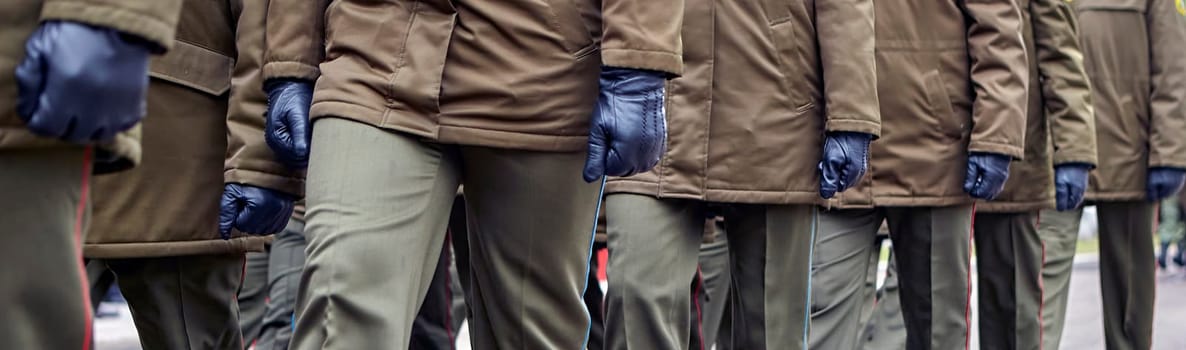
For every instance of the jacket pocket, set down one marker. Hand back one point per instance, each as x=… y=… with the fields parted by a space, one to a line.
x=787 y=55
x=1113 y=5
x=194 y=67
x=566 y=20
x=939 y=102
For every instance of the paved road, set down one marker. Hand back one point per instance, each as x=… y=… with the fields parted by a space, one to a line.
x=1085 y=320
x=1084 y=330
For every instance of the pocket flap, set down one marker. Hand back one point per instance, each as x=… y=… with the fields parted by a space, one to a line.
x=195 y=67
x=1111 y=5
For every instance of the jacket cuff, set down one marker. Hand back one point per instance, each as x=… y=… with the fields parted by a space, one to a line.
x=668 y=62
x=841 y=123
x=287 y=184
x=997 y=148
x=291 y=69
x=157 y=29
x=1163 y=162
x=1060 y=159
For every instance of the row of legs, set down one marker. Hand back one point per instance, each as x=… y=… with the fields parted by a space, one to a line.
x=1024 y=264
x=379 y=204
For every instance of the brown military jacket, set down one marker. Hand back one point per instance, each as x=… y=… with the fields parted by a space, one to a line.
x=518 y=74
x=1060 y=127
x=153 y=20
x=204 y=127
x=1135 y=53
x=951 y=79
x=763 y=81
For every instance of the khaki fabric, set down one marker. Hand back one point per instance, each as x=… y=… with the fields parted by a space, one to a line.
x=932 y=246
x=515 y=74
x=183 y=302
x=655 y=255
x=45 y=216
x=153 y=20
x=1134 y=51
x=1059 y=231
x=1060 y=127
x=193 y=103
x=952 y=84
x=841 y=268
x=763 y=82
x=378 y=205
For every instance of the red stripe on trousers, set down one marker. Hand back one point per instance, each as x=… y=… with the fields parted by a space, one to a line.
x=696 y=301
x=79 y=220
x=449 y=289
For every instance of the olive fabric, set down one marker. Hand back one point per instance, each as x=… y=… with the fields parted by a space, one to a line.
x=763 y=82
x=1133 y=52
x=953 y=84
x=46 y=212
x=204 y=128
x=514 y=74
x=1060 y=125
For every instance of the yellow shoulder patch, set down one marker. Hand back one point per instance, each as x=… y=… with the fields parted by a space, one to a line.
x=1180 y=6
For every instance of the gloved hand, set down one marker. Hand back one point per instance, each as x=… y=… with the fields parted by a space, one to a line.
x=253 y=210
x=845 y=158
x=81 y=83
x=628 y=131
x=986 y=176
x=1070 y=182
x=1163 y=182
x=287 y=131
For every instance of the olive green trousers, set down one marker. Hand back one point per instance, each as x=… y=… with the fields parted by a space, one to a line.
x=43 y=219
x=654 y=254
x=1128 y=272
x=932 y=246
x=378 y=209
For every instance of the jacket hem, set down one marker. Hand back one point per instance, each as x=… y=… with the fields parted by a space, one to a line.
x=1126 y=196
x=915 y=201
x=1014 y=207
x=121 y=154
x=715 y=195
x=452 y=134
x=237 y=245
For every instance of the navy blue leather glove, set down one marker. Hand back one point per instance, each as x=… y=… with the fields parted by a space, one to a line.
x=987 y=173
x=1070 y=182
x=845 y=158
x=1163 y=182
x=81 y=83
x=628 y=131
x=253 y=210
x=287 y=131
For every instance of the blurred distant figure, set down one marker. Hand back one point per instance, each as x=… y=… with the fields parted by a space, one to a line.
x=1170 y=230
